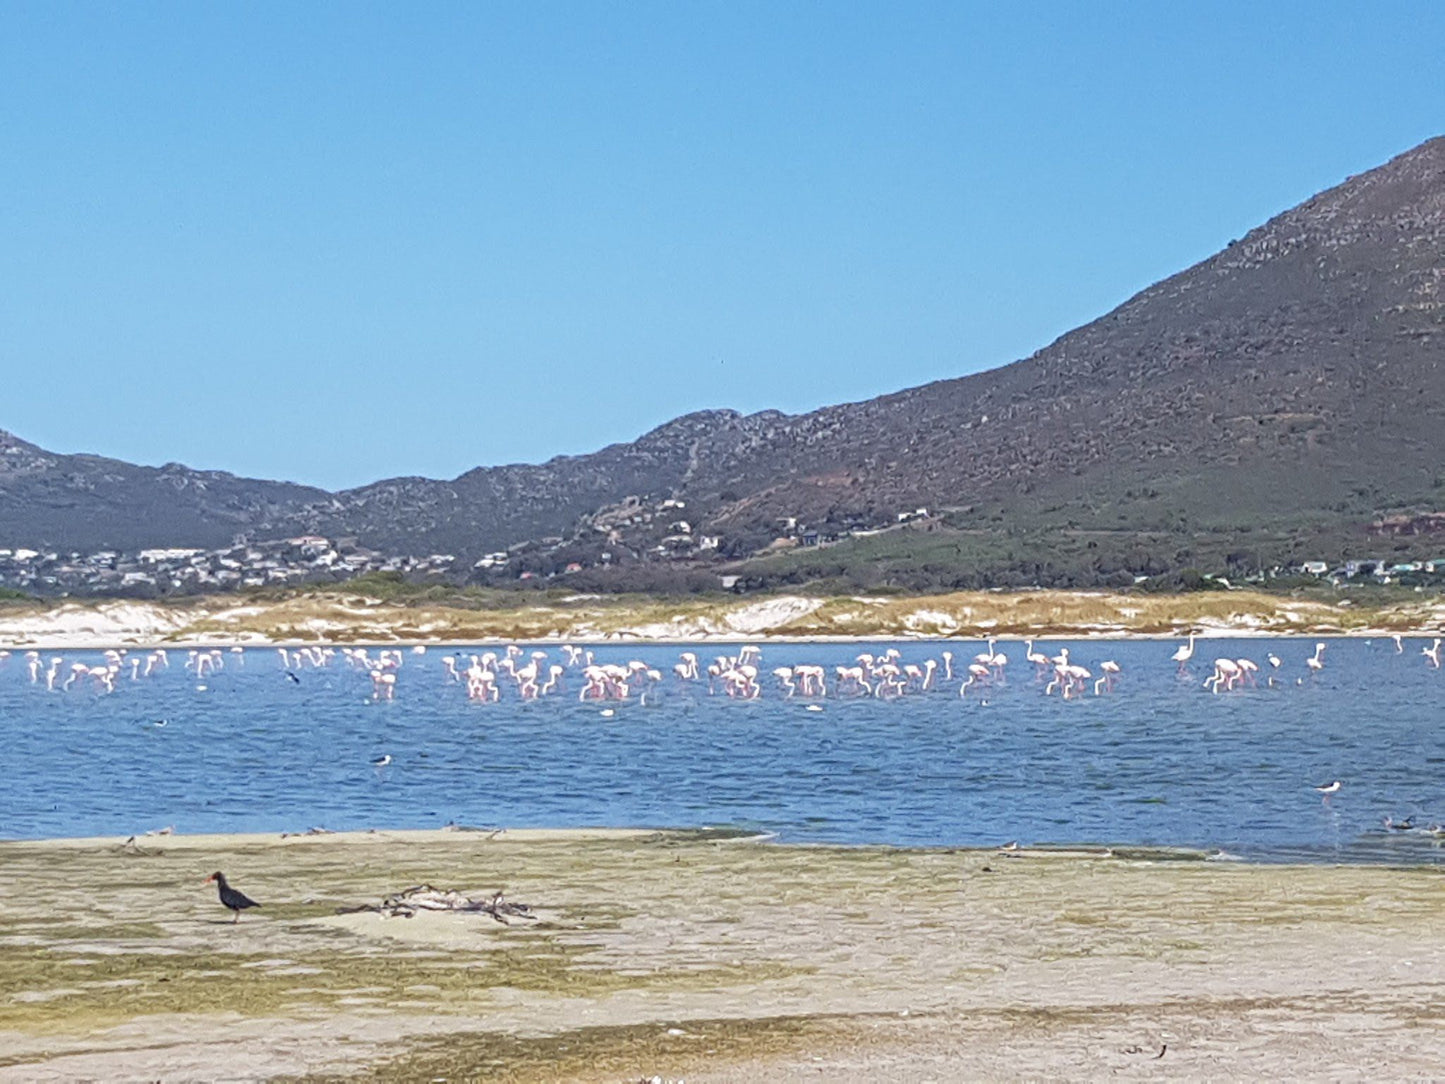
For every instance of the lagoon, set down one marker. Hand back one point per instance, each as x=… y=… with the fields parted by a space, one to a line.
x=1159 y=762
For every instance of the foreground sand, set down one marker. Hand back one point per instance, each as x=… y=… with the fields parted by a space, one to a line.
x=680 y=955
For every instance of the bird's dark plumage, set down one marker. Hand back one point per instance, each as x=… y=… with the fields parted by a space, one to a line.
x=236 y=900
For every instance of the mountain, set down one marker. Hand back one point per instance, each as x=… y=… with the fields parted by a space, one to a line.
x=88 y=503
x=1292 y=383
x=1309 y=349
x=493 y=507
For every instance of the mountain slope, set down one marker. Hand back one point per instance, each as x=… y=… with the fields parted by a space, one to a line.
x=1308 y=352
x=87 y=503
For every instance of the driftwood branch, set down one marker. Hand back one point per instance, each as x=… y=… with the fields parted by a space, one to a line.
x=407 y=903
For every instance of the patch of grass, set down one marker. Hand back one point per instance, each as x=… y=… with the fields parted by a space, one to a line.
x=61 y=931
x=668 y=1048
x=112 y=986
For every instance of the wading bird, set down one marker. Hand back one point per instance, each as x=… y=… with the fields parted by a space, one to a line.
x=233 y=898
x=1184 y=653
x=1432 y=653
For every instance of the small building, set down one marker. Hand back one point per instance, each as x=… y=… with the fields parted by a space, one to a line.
x=166 y=556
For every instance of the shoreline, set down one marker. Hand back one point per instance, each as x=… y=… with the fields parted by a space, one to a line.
x=173 y=842
x=194 y=841
x=1102 y=636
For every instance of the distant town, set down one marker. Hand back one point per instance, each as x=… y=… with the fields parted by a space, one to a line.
x=151 y=573
x=635 y=530
x=312 y=559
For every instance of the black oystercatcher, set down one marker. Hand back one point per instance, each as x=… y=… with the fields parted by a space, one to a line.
x=236 y=901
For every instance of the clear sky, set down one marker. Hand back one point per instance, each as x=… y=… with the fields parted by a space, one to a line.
x=338 y=242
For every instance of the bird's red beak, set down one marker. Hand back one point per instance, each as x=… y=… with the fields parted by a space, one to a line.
x=209 y=879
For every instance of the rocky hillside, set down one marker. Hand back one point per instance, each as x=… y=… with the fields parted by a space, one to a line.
x=492 y=507
x=1299 y=365
x=88 y=503
x=1295 y=376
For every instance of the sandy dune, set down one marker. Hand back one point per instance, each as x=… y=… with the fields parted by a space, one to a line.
x=338 y=618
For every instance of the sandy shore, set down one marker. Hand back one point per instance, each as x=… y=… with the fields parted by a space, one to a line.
x=680 y=955
x=336 y=618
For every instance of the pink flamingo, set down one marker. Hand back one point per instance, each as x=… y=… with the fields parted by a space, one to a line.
x=987 y=657
x=1432 y=653
x=1184 y=653
x=977 y=672
x=383 y=685
x=554 y=676
x=1076 y=680
x=1041 y=662
x=1226 y=674
x=854 y=678
x=814 y=679
x=1111 y=671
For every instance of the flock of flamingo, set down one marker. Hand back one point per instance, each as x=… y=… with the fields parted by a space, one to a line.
x=535 y=675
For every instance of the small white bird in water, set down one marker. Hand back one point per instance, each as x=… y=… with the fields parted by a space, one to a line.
x=814 y=707
x=381 y=761
x=608 y=713
x=1330 y=788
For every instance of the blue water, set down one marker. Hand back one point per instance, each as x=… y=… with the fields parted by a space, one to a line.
x=1159 y=762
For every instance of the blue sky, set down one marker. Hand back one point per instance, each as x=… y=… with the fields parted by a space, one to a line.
x=338 y=242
